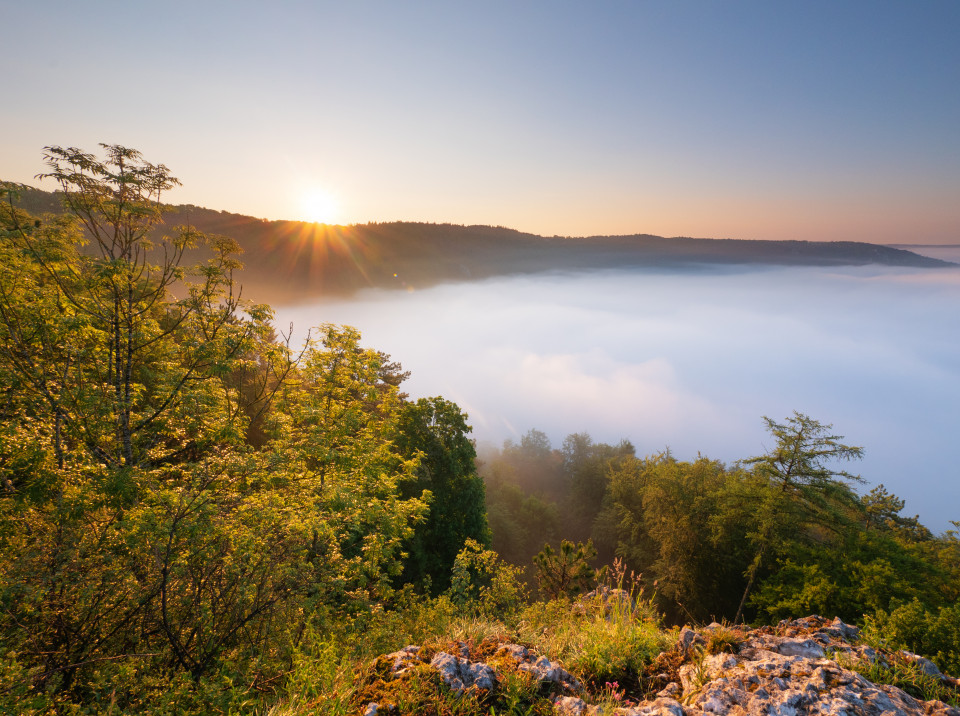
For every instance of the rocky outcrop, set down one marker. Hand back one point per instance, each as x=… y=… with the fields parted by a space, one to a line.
x=460 y=673
x=799 y=667
x=805 y=666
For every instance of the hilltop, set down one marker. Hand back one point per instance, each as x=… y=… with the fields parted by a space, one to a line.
x=288 y=261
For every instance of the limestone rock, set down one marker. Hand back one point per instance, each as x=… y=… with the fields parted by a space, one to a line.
x=459 y=673
x=571 y=706
x=403 y=659
x=544 y=670
x=786 y=672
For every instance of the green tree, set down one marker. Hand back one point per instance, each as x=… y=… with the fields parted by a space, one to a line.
x=800 y=495
x=334 y=449
x=586 y=466
x=519 y=522
x=435 y=430
x=139 y=532
x=125 y=371
x=536 y=467
x=114 y=390
x=668 y=524
x=566 y=572
x=483 y=582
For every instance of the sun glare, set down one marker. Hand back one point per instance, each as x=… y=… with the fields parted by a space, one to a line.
x=319 y=206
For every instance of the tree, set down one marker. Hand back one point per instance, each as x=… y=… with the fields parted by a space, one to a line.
x=519 y=522
x=666 y=519
x=484 y=583
x=115 y=393
x=537 y=466
x=567 y=572
x=800 y=494
x=136 y=522
x=586 y=466
x=436 y=430
x=126 y=372
x=335 y=453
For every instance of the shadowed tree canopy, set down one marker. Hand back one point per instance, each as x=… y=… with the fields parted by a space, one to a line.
x=436 y=430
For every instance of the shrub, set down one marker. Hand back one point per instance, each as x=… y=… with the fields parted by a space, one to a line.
x=934 y=634
x=485 y=583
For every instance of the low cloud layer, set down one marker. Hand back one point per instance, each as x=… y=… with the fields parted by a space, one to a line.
x=692 y=360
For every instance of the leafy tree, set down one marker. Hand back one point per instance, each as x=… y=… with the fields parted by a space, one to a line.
x=481 y=580
x=435 y=430
x=113 y=385
x=883 y=514
x=536 y=494
x=126 y=372
x=537 y=467
x=334 y=434
x=139 y=532
x=670 y=526
x=519 y=522
x=585 y=469
x=912 y=626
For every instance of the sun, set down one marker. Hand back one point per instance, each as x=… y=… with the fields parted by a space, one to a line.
x=318 y=205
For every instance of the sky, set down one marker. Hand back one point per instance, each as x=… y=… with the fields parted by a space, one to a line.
x=812 y=120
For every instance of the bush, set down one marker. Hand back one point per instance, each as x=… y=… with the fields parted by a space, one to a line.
x=929 y=633
x=485 y=583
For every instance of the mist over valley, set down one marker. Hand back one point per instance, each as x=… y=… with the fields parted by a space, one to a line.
x=690 y=359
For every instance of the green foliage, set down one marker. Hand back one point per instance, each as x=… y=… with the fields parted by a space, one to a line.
x=609 y=636
x=567 y=572
x=586 y=466
x=194 y=519
x=124 y=373
x=482 y=581
x=723 y=640
x=933 y=633
x=519 y=522
x=800 y=495
x=143 y=541
x=905 y=675
x=536 y=494
x=672 y=524
x=333 y=460
x=860 y=573
x=435 y=430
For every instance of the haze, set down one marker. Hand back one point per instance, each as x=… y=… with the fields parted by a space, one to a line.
x=809 y=120
x=692 y=360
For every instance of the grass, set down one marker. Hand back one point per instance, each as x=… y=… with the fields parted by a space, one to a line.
x=606 y=641
x=724 y=640
x=613 y=642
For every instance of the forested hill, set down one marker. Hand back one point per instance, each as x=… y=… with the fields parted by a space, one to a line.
x=291 y=260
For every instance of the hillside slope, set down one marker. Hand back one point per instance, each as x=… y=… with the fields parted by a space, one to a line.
x=296 y=261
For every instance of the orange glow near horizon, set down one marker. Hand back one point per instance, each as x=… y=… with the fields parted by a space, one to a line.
x=320 y=251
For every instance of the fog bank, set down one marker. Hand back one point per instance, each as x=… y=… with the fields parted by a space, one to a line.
x=692 y=360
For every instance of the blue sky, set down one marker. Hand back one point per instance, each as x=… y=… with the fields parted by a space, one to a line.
x=808 y=120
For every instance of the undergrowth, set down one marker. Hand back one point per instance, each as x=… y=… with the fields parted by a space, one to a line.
x=612 y=641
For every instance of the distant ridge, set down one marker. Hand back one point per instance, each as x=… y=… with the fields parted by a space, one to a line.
x=292 y=261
